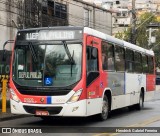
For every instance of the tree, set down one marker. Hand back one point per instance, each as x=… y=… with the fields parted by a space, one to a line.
x=156 y=47
x=142 y=34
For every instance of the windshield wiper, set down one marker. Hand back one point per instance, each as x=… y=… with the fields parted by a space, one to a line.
x=69 y=54
x=32 y=52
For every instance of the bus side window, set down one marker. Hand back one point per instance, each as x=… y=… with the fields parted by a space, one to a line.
x=119 y=58
x=151 y=65
x=138 y=62
x=129 y=60
x=108 y=62
x=145 y=63
x=92 y=62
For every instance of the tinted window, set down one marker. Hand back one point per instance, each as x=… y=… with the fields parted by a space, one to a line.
x=138 y=62
x=129 y=60
x=145 y=63
x=119 y=58
x=151 y=65
x=92 y=62
x=108 y=56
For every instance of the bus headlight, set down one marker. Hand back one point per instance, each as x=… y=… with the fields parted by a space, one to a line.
x=14 y=96
x=76 y=96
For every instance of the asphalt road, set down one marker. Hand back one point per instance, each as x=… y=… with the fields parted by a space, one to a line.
x=148 y=117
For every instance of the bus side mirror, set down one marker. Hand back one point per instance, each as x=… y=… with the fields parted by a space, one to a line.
x=4 y=50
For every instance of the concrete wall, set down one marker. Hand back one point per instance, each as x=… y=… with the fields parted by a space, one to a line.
x=100 y=19
x=7 y=29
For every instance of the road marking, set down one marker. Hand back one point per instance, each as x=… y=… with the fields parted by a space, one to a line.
x=140 y=124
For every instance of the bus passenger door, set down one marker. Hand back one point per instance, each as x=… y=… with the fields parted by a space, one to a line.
x=93 y=75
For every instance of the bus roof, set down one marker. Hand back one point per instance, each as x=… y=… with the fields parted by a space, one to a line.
x=117 y=41
x=98 y=34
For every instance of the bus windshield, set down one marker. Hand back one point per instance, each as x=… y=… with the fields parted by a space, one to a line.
x=55 y=65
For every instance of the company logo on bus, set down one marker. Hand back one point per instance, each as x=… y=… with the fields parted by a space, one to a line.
x=42 y=100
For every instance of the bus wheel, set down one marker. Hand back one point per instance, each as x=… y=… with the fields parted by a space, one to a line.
x=105 y=109
x=140 y=105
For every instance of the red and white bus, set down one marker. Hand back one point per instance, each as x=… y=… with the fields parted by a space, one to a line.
x=77 y=71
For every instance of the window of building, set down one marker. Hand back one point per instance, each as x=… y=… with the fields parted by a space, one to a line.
x=119 y=58
x=108 y=61
x=63 y=11
x=118 y=14
x=57 y=10
x=51 y=8
x=60 y=10
x=44 y=6
x=86 y=17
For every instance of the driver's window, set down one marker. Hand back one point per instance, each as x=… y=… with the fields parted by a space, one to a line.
x=92 y=61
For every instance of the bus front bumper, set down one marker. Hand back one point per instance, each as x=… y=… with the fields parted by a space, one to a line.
x=67 y=109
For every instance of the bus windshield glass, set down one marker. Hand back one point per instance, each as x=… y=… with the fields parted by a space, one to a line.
x=54 y=64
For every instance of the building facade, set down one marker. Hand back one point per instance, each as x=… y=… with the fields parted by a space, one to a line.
x=122 y=16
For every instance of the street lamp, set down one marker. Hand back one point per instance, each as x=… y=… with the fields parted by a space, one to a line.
x=151 y=39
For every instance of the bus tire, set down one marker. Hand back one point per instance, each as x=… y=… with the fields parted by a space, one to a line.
x=140 y=105
x=105 y=109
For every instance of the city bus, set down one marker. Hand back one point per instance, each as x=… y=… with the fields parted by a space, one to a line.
x=77 y=72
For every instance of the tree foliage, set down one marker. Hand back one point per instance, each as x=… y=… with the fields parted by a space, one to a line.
x=142 y=34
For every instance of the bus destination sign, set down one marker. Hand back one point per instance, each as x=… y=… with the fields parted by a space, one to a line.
x=50 y=35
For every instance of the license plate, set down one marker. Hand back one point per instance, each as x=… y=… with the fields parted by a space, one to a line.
x=42 y=113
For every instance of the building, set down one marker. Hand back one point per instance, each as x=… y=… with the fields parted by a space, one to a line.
x=19 y=14
x=122 y=16
x=81 y=13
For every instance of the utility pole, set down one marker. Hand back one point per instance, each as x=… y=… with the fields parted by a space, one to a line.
x=133 y=25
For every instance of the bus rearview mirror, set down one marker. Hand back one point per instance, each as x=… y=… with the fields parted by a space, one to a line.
x=4 y=50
